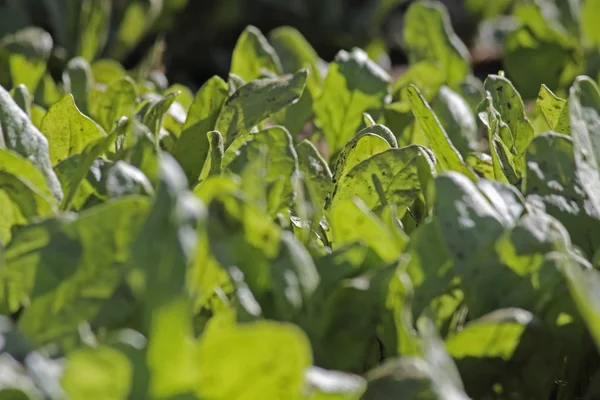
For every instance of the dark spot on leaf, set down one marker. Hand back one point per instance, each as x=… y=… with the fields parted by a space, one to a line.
x=509 y=106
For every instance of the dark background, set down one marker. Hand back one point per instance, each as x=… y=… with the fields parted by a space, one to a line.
x=203 y=34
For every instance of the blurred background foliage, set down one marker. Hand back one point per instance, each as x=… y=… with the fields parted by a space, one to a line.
x=194 y=39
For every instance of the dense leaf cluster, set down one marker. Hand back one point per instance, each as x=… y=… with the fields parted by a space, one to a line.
x=304 y=230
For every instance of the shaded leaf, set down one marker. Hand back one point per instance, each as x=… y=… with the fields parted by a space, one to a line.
x=192 y=148
x=256 y=101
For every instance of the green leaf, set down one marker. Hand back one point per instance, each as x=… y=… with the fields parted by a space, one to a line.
x=357 y=304
x=94 y=24
x=486 y=213
x=282 y=163
x=37 y=115
x=123 y=179
x=80 y=268
x=352 y=221
x=555 y=110
x=68 y=130
x=185 y=98
x=26 y=171
x=28 y=51
x=139 y=149
x=507 y=101
x=358 y=150
x=252 y=53
x=107 y=71
x=78 y=80
x=20 y=257
x=493 y=336
x=234 y=82
x=154 y=116
x=21 y=136
x=171 y=222
x=244 y=237
x=138 y=17
x=390 y=177
x=426 y=75
x=171 y=351
x=368 y=142
x=584 y=108
x=20 y=202
x=429 y=36
x=458 y=120
x=589 y=28
x=73 y=170
x=583 y=285
x=505 y=163
x=119 y=100
x=502 y=346
x=354 y=85
x=192 y=147
x=48 y=92
x=281 y=349
x=295 y=53
x=216 y=153
x=256 y=101
x=316 y=170
x=556 y=59
x=102 y=373
x=482 y=163
x=552 y=177
x=448 y=157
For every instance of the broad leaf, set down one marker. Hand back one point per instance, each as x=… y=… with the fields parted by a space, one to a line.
x=584 y=108
x=354 y=85
x=507 y=101
x=296 y=53
x=254 y=348
x=553 y=178
x=555 y=110
x=94 y=26
x=448 y=157
x=68 y=130
x=256 y=101
x=282 y=163
x=192 y=147
x=351 y=221
x=252 y=53
x=390 y=177
x=28 y=51
x=103 y=373
x=20 y=202
x=118 y=100
x=456 y=117
x=429 y=36
x=80 y=268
